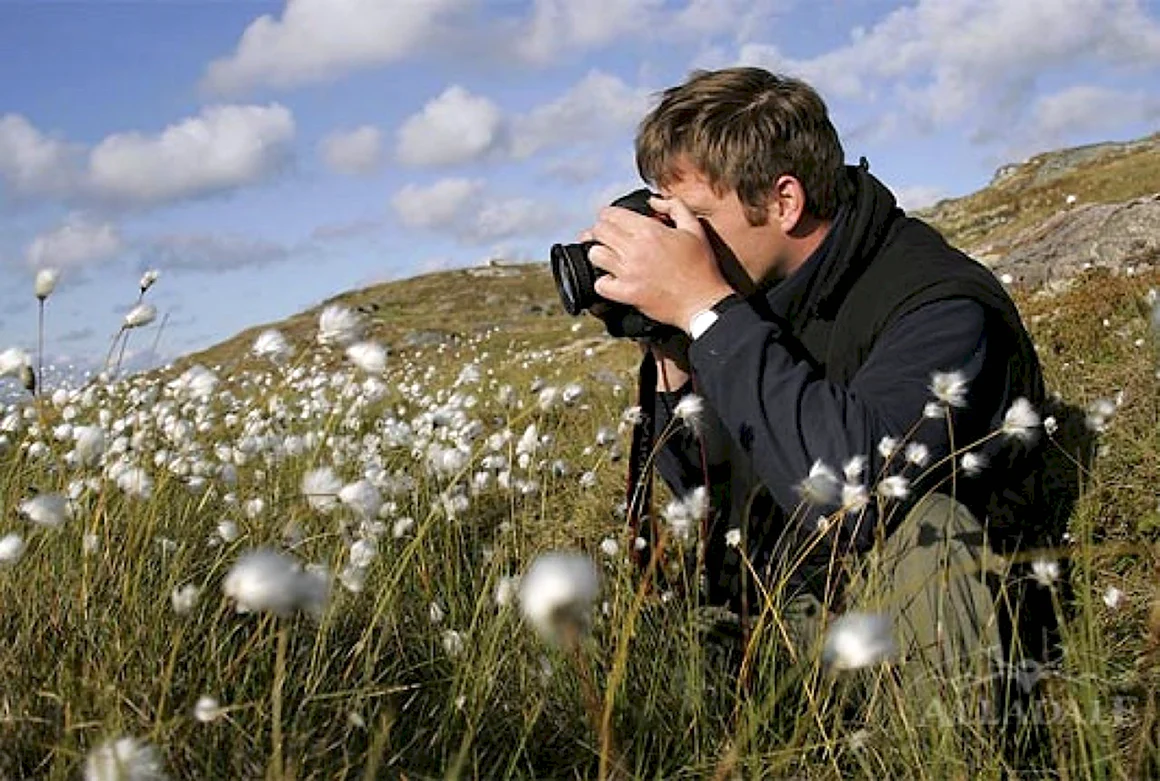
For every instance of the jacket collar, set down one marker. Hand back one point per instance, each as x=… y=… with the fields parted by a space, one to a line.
x=857 y=234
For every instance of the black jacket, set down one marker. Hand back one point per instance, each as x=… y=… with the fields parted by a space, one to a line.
x=826 y=363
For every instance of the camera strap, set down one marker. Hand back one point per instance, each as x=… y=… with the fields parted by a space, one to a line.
x=638 y=501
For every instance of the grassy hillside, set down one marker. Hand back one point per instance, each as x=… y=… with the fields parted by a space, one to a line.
x=1022 y=195
x=518 y=302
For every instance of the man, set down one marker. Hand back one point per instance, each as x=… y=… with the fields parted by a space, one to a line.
x=868 y=390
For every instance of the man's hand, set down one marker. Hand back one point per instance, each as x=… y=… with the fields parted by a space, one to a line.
x=668 y=273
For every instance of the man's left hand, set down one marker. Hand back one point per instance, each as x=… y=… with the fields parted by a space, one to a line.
x=668 y=273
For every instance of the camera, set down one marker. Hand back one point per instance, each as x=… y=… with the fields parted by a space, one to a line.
x=576 y=277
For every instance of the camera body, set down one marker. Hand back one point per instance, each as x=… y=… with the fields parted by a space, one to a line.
x=575 y=278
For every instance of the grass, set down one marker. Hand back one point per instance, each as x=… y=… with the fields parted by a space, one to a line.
x=384 y=685
x=96 y=650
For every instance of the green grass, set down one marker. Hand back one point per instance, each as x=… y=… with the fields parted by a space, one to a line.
x=95 y=650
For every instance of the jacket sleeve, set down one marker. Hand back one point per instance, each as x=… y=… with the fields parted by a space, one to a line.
x=787 y=416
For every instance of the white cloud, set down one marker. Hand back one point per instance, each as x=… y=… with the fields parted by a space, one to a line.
x=502 y=219
x=318 y=40
x=461 y=208
x=455 y=127
x=740 y=18
x=223 y=148
x=76 y=242
x=918 y=196
x=459 y=127
x=596 y=107
x=945 y=60
x=558 y=25
x=357 y=151
x=213 y=252
x=438 y=205
x=1087 y=110
x=575 y=169
x=31 y=162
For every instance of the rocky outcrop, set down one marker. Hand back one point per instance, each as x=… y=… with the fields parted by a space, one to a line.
x=1123 y=238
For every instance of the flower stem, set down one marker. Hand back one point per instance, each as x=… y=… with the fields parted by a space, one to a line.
x=276 y=769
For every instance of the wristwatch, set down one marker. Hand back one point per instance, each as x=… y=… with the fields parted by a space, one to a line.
x=701 y=321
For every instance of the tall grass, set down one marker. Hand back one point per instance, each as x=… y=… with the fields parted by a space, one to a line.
x=382 y=685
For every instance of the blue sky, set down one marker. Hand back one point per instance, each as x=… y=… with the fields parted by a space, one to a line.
x=267 y=155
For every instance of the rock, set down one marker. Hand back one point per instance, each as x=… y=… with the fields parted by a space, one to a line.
x=1122 y=238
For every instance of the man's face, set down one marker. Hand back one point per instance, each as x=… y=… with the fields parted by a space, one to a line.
x=757 y=248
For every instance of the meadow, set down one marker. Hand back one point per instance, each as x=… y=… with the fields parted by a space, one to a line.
x=292 y=557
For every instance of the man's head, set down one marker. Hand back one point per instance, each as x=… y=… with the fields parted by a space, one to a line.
x=743 y=129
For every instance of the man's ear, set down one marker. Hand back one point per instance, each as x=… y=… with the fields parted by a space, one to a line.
x=788 y=205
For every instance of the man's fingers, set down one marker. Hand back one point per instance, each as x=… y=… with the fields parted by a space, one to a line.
x=676 y=210
x=603 y=258
x=610 y=287
x=608 y=232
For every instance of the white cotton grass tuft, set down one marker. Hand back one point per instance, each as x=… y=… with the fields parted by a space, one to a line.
x=917 y=453
x=46 y=280
x=557 y=592
x=49 y=509
x=13 y=361
x=857 y=640
x=124 y=759
x=371 y=357
x=973 y=463
x=1099 y=414
x=207 y=709
x=196 y=382
x=148 y=279
x=267 y=581
x=821 y=486
x=685 y=514
x=1021 y=420
x=184 y=598
x=12 y=548
x=855 y=497
x=853 y=468
x=888 y=446
x=132 y=480
x=90 y=445
x=690 y=410
x=272 y=345
x=1045 y=572
x=453 y=642
x=339 y=325
x=893 y=487
x=139 y=316
x=1113 y=597
x=362 y=497
x=506 y=589
x=950 y=388
x=321 y=487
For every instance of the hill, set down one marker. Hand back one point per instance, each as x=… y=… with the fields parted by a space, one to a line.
x=1021 y=196
x=1021 y=208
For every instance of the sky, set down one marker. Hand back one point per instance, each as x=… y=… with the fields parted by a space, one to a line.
x=264 y=156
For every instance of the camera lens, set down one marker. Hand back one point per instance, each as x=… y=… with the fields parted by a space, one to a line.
x=575 y=276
